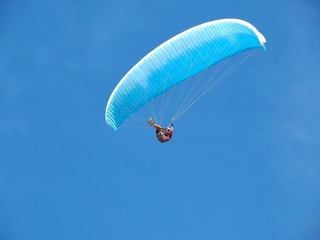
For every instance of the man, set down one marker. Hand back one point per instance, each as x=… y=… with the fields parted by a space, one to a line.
x=163 y=134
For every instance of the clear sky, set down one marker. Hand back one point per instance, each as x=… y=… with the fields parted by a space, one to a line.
x=250 y=169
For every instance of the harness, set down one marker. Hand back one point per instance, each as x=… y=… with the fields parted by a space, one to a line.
x=163 y=135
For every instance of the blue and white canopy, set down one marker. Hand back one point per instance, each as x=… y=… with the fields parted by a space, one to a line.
x=179 y=58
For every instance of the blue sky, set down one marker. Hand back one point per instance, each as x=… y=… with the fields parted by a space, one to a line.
x=250 y=171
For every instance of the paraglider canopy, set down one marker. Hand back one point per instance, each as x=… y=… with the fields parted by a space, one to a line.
x=176 y=60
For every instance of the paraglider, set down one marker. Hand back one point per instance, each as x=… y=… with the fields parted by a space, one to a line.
x=184 y=57
x=163 y=134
